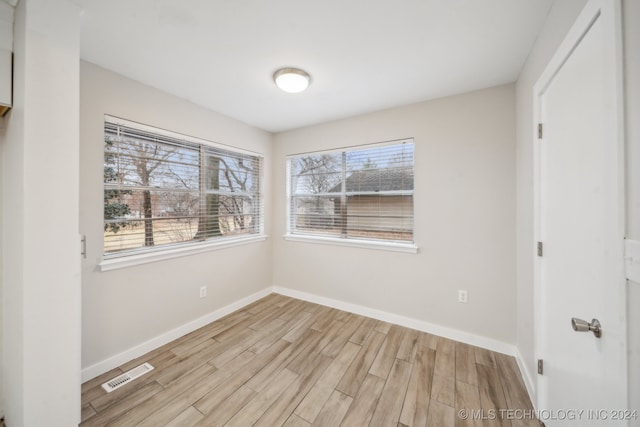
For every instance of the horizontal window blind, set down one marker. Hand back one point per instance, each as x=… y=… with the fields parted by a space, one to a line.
x=163 y=189
x=359 y=193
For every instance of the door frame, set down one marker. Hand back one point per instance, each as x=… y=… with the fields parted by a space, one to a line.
x=609 y=11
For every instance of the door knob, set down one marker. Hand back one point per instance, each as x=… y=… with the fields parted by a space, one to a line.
x=580 y=325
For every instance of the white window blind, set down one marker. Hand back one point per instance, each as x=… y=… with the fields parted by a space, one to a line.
x=363 y=193
x=163 y=189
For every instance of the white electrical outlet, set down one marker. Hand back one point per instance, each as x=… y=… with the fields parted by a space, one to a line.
x=462 y=296
x=203 y=291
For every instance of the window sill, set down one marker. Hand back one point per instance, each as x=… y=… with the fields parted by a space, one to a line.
x=144 y=258
x=355 y=243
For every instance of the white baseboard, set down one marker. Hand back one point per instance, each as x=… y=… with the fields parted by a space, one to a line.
x=420 y=325
x=137 y=351
x=527 y=377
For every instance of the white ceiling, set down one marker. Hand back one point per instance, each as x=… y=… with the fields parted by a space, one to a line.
x=363 y=55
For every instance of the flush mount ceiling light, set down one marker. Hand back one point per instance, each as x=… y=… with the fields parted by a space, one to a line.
x=292 y=80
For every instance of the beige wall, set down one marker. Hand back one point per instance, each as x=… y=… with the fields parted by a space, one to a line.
x=464 y=216
x=561 y=17
x=124 y=308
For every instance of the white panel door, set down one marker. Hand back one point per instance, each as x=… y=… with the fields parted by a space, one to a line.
x=580 y=223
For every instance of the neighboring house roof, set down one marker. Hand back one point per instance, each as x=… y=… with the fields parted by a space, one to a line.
x=377 y=180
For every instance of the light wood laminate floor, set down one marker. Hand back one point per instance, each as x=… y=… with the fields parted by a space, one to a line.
x=286 y=362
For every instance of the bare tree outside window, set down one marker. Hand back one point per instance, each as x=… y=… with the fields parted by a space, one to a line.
x=209 y=223
x=313 y=176
x=238 y=179
x=146 y=158
x=318 y=174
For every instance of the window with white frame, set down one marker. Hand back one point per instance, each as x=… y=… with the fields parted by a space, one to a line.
x=360 y=193
x=164 y=190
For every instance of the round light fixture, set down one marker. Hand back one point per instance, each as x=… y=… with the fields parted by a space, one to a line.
x=292 y=80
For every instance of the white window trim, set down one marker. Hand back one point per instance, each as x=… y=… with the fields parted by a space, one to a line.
x=355 y=243
x=130 y=260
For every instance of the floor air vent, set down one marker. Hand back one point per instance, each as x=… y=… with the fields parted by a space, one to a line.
x=128 y=376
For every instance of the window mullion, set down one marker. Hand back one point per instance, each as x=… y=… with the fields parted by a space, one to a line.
x=343 y=197
x=202 y=190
